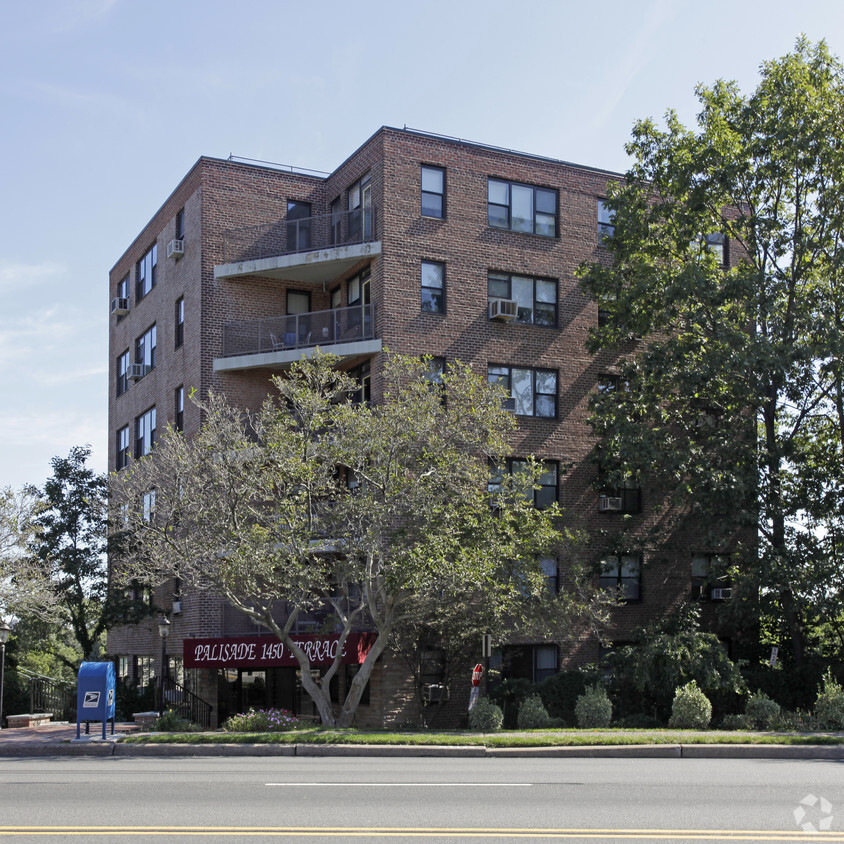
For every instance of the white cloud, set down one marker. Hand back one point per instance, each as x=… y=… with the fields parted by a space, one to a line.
x=19 y=276
x=41 y=333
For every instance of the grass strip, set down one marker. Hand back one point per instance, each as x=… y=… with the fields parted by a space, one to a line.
x=505 y=738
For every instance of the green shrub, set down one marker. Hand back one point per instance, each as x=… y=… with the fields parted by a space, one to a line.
x=691 y=709
x=593 y=708
x=560 y=692
x=788 y=722
x=736 y=721
x=829 y=704
x=665 y=656
x=172 y=722
x=485 y=716
x=509 y=694
x=640 y=721
x=261 y=721
x=761 y=710
x=533 y=715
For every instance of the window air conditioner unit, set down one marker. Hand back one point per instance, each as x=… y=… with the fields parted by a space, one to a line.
x=609 y=504
x=175 y=249
x=136 y=371
x=509 y=404
x=435 y=694
x=120 y=306
x=503 y=309
x=721 y=594
x=177 y=607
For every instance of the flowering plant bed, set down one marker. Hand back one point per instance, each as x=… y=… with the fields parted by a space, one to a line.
x=261 y=721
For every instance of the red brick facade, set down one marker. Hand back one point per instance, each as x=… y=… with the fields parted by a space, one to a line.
x=222 y=196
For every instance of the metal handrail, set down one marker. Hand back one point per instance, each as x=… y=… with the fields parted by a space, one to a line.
x=292 y=236
x=48 y=694
x=186 y=704
x=299 y=331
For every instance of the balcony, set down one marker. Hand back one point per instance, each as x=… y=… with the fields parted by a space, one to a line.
x=276 y=342
x=311 y=249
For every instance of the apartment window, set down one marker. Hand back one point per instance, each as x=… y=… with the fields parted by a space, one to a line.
x=714 y=243
x=546 y=662
x=546 y=491
x=709 y=576
x=622 y=573
x=146 y=272
x=336 y=221
x=336 y=298
x=361 y=374
x=123 y=292
x=298 y=225
x=122 y=373
x=606 y=221
x=145 y=349
x=179 y=406
x=180 y=321
x=433 y=287
x=433 y=191
x=145 y=433
x=121 y=460
x=534 y=391
x=360 y=209
x=148 y=505
x=530 y=662
x=522 y=208
x=298 y=302
x=548 y=566
x=180 y=225
x=436 y=370
x=536 y=298
x=624 y=499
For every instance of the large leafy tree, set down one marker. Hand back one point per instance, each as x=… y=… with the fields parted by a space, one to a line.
x=734 y=407
x=71 y=544
x=365 y=517
x=25 y=586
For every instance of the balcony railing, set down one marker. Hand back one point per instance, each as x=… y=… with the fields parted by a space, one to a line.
x=307 y=234
x=299 y=331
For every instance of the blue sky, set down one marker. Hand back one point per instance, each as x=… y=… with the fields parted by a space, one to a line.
x=107 y=103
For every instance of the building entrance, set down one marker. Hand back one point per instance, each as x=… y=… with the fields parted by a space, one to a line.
x=239 y=689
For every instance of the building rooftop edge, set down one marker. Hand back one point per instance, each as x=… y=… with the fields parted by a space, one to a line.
x=237 y=161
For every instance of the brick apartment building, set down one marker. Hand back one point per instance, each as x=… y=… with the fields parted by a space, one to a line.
x=417 y=243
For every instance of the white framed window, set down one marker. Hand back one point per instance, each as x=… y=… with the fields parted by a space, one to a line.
x=145 y=433
x=433 y=191
x=534 y=391
x=536 y=298
x=433 y=287
x=146 y=273
x=622 y=573
x=521 y=208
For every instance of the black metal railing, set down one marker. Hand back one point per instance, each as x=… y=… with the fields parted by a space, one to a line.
x=186 y=704
x=299 y=331
x=47 y=694
x=306 y=234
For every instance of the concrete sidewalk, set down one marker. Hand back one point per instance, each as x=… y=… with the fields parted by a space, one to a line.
x=60 y=740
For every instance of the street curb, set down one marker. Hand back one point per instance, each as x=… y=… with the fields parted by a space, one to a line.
x=762 y=751
x=635 y=751
x=475 y=751
x=56 y=748
x=156 y=749
x=24 y=749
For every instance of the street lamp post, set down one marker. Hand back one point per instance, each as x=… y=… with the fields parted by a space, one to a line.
x=5 y=632
x=163 y=630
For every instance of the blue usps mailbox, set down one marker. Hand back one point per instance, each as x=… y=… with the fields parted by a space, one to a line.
x=95 y=695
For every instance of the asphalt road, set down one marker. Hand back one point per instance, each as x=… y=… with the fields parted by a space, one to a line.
x=408 y=799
